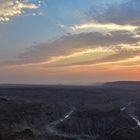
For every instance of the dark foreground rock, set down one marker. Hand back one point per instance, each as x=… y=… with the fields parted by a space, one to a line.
x=126 y=134
x=122 y=134
x=55 y=137
x=27 y=134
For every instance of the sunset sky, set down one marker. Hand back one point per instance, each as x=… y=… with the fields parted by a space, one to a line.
x=69 y=41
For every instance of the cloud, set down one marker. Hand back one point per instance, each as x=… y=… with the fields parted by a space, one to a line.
x=100 y=27
x=110 y=17
x=10 y=8
x=83 y=48
x=65 y=44
x=125 y=13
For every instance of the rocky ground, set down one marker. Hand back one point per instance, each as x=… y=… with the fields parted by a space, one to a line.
x=106 y=112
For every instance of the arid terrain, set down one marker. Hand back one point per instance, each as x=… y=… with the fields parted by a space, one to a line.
x=109 y=111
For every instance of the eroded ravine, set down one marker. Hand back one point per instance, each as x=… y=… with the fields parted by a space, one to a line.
x=51 y=129
x=134 y=117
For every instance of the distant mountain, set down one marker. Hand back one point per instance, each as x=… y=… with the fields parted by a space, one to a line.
x=123 y=84
x=14 y=85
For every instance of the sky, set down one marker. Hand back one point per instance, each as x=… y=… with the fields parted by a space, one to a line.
x=77 y=42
